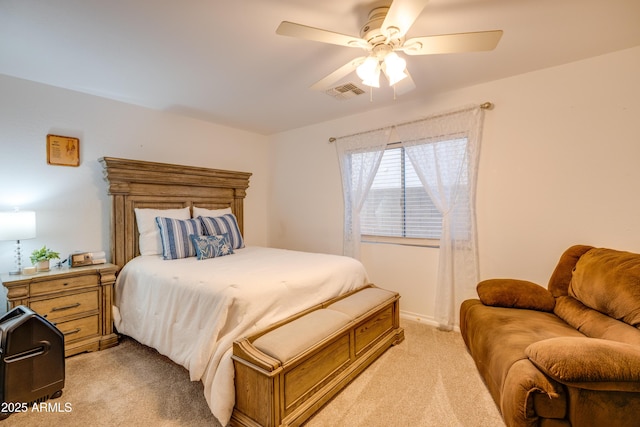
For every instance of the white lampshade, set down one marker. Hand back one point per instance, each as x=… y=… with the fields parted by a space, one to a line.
x=394 y=67
x=17 y=225
x=369 y=72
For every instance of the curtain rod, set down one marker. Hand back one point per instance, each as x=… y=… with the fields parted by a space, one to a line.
x=484 y=106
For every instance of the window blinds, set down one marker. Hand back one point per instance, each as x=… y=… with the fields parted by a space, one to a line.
x=397 y=204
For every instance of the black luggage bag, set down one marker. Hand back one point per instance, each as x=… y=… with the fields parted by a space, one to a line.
x=31 y=360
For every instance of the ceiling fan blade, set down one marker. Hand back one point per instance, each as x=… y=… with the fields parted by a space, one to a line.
x=401 y=16
x=341 y=72
x=405 y=85
x=300 y=31
x=452 y=43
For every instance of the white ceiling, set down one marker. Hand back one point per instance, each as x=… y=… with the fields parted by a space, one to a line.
x=222 y=61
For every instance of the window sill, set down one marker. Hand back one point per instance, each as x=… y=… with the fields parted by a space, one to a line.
x=402 y=241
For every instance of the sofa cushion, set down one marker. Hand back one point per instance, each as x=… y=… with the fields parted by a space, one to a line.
x=609 y=281
x=594 y=324
x=516 y=294
x=561 y=276
x=589 y=363
x=497 y=338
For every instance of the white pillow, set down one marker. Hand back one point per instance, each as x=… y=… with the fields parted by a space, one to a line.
x=149 y=242
x=209 y=212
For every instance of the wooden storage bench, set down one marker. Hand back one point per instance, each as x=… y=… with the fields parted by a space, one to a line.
x=285 y=373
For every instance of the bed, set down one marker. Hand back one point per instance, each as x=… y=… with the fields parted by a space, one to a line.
x=192 y=310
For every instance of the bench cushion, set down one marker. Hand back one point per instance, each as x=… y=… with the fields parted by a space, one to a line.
x=291 y=339
x=361 y=302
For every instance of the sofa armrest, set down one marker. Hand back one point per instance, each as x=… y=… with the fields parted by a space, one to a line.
x=514 y=293
x=588 y=363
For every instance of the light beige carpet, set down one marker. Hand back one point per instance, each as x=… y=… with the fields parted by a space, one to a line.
x=427 y=380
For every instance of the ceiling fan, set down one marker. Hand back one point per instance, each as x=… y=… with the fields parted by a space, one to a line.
x=382 y=37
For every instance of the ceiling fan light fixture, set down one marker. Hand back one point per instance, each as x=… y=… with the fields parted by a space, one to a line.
x=369 y=72
x=373 y=80
x=382 y=34
x=394 y=67
x=396 y=77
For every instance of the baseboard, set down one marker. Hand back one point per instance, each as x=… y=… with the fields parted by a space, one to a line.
x=427 y=320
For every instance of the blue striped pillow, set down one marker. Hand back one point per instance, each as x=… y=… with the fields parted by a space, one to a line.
x=174 y=234
x=223 y=224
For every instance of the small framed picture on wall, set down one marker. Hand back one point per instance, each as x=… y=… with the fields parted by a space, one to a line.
x=63 y=150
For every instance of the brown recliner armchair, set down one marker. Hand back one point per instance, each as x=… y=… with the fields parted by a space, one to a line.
x=568 y=355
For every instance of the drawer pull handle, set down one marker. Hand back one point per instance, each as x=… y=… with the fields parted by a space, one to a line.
x=71 y=332
x=66 y=307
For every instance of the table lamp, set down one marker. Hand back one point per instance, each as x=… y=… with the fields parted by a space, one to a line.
x=17 y=225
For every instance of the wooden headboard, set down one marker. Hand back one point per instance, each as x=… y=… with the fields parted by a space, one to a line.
x=139 y=184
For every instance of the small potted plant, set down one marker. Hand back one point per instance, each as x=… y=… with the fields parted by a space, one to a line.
x=40 y=258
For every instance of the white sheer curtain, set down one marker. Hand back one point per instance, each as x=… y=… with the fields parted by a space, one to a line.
x=444 y=151
x=359 y=156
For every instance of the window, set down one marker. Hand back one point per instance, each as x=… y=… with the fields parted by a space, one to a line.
x=397 y=205
x=445 y=150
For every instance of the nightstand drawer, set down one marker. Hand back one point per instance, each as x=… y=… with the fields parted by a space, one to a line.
x=55 y=308
x=80 y=328
x=58 y=285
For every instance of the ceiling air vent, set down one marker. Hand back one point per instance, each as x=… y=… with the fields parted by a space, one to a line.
x=345 y=91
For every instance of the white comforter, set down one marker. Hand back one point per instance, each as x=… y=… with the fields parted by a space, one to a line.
x=191 y=311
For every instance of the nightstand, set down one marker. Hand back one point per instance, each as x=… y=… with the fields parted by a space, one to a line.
x=77 y=300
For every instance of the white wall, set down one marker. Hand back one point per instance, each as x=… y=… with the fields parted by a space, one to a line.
x=559 y=166
x=72 y=204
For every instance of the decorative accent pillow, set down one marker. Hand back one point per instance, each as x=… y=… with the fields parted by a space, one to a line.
x=211 y=246
x=149 y=242
x=174 y=234
x=209 y=212
x=223 y=224
x=515 y=294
